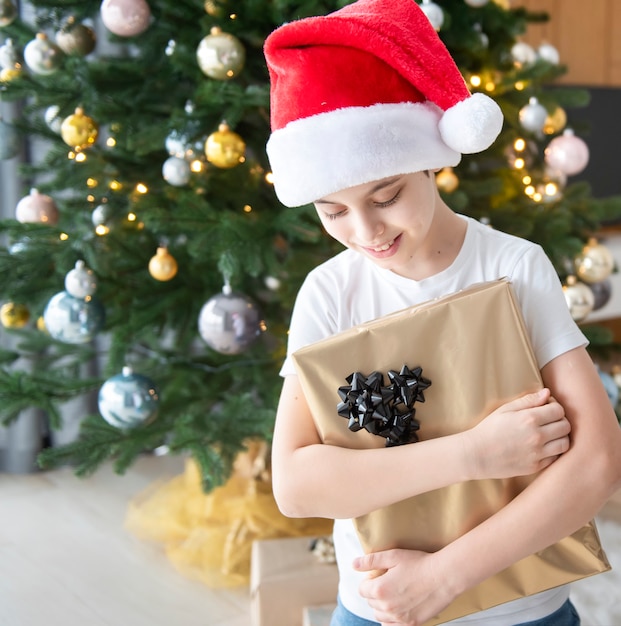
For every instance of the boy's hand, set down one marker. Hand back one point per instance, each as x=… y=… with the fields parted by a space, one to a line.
x=519 y=438
x=410 y=590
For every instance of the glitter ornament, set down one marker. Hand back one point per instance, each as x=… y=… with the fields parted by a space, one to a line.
x=176 y=171
x=224 y=148
x=447 y=180
x=595 y=263
x=434 y=13
x=14 y=315
x=533 y=116
x=76 y=38
x=36 y=207
x=220 y=55
x=8 y=12
x=547 y=52
x=43 y=56
x=579 y=298
x=9 y=141
x=163 y=265
x=128 y=400
x=79 y=130
x=73 y=320
x=567 y=153
x=229 y=322
x=125 y=18
x=523 y=54
x=80 y=282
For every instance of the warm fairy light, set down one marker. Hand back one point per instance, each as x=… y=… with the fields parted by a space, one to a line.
x=71 y=155
x=247 y=208
x=230 y=73
x=90 y=198
x=519 y=163
x=475 y=80
x=80 y=157
x=131 y=217
x=520 y=85
x=115 y=185
x=537 y=197
x=490 y=86
x=63 y=236
x=269 y=178
x=91 y=182
x=141 y=188
x=233 y=16
x=196 y=166
x=551 y=189
x=111 y=142
x=529 y=190
x=263 y=325
x=519 y=144
x=242 y=159
x=527 y=180
x=101 y=229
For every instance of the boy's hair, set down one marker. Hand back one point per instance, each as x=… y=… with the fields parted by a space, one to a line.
x=364 y=93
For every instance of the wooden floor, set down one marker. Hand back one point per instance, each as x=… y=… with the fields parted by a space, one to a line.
x=67 y=560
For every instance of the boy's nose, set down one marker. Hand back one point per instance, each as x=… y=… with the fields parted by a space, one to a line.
x=369 y=228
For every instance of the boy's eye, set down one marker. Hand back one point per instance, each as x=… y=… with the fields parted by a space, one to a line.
x=333 y=216
x=387 y=203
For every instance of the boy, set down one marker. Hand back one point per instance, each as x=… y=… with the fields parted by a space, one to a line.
x=366 y=105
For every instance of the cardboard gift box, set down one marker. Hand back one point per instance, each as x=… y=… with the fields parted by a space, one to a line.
x=285 y=577
x=473 y=348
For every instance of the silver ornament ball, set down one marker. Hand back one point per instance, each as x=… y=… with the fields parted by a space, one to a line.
x=176 y=171
x=73 y=320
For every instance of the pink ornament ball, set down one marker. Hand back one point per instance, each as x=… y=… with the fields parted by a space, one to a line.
x=567 y=153
x=125 y=18
x=36 y=207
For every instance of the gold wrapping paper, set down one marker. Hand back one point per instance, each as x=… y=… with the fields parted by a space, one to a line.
x=463 y=342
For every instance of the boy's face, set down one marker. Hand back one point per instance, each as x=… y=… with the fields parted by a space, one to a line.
x=389 y=221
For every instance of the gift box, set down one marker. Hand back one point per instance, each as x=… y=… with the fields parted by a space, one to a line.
x=285 y=577
x=432 y=370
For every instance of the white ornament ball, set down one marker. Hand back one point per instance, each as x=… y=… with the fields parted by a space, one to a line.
x=42 y=56
x=125 y=18
x=229 y=322
x=73 y=320
x=9 y=55
x=128 y=400
x=36 y=207
x=220 y=55
x=52 y=118
x=476 y=3
x=176 y=143
x=80 y=282
x=176 y=171
x=523 y=54
x=434 y=13
x=567 y=153
x=533 y=116
x=549 y=53
x=579 y=298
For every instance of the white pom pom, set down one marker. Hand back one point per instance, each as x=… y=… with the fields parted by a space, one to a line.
x=471 y=125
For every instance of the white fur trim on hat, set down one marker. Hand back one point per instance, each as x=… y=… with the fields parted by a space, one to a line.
x=322 y=154
x=471 y=125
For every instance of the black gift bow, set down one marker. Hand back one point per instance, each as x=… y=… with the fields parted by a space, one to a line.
x=384 y=411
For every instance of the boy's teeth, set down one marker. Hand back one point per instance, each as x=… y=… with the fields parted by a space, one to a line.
x=384 y=247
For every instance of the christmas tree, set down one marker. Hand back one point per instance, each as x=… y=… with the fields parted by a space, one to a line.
x=149 y=241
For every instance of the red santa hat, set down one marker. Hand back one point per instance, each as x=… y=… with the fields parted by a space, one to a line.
x=367 y=92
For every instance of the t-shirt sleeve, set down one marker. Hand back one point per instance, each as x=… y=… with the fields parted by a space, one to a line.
x=548 y=320
x=313 y=318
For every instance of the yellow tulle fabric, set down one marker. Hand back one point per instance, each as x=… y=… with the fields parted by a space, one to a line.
x=209 y=536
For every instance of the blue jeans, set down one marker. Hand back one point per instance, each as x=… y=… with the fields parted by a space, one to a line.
x=565 y=616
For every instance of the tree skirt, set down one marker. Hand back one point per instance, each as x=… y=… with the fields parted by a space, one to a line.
x=598 y=598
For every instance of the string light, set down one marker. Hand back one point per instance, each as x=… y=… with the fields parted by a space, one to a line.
x=269 y=178
x=520 y=85
x=90 y=198
x=196 y=166
x=131 y=217
x=142 y=188
x=527 y=180
x=519 y=163
x=111 y=142
x=101 y=229
x=115 y=185
x=519 y=144
x=80 y=157
x=475 y=80
x=63 y=236
x=247 y=208
x=91 y=182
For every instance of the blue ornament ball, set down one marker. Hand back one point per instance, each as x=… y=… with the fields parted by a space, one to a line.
x=73 y=320
x=230 y=322
x=128 y=400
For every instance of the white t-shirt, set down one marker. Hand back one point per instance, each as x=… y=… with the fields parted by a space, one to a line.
x=349 y=289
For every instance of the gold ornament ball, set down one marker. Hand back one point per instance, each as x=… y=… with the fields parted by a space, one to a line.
x=447 y=180
x=14 y=315
x=76 y=38
x=8 y=74
x=555 y=122
x=595 y=263
x=79 y=130
x=163 y=265
x=220 y=55
x=579 y=298
x=224 y=148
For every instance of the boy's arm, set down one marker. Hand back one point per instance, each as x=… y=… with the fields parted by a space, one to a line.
x=562 y=499
x=311 y=479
